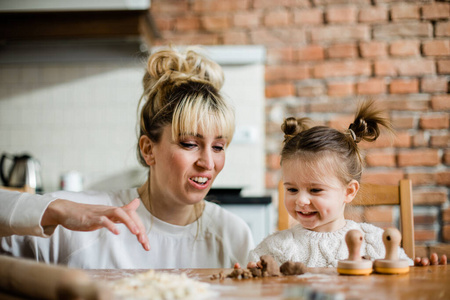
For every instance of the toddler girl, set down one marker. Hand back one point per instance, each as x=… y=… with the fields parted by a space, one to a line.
x=321 y=172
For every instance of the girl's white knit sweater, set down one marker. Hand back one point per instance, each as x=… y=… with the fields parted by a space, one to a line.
x=321 y=249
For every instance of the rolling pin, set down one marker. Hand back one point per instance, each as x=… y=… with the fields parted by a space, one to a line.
x=29 y=278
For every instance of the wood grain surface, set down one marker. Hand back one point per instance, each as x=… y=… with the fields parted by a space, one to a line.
x=432 y=282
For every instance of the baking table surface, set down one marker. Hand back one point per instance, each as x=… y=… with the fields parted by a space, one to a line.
x=432 y=282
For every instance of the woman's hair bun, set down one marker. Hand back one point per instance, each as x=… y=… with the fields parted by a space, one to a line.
x=168 y=65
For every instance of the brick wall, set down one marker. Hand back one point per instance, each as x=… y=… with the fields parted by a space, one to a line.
x=324 y=54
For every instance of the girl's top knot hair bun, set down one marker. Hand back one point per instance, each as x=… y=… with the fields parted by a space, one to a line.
x=368 y=122
x=292 y=126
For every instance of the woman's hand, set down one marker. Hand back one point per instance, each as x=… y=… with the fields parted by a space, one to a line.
x=434 y=260
x=87 y=217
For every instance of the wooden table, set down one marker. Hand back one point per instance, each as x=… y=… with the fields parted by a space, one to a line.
x=432 y=282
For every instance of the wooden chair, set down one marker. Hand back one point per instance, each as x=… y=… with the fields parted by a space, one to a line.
x=371 y=195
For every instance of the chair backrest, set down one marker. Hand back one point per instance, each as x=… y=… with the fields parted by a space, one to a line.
x=370 y=195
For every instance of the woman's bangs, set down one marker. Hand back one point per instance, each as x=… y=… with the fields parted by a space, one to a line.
x=203 y=115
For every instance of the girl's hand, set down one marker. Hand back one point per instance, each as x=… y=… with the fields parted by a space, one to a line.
x=253 y=264
x=87 y=217
x=434 y=260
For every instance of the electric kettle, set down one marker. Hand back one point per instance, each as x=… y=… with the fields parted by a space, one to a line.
x=24 y=170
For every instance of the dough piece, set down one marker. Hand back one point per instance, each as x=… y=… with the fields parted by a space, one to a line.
x=293 y=268
x=270 y=267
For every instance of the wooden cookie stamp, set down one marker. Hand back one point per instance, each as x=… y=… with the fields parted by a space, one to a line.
x=391 y=264
x=354 y=265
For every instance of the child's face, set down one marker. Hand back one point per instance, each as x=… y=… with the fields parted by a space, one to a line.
x=315 y=197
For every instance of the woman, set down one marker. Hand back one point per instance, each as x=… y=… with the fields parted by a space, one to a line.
x=185 y=126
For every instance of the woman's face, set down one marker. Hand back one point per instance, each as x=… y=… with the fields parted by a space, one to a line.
x=182 y=171
x=316 y=202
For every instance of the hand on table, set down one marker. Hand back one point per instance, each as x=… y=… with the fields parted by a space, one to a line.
x=433 y=260
x=87 y=217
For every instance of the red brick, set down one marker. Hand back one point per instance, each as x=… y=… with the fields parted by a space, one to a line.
x=424 y=220
x=373 y=49
x=440 y=102
x=408 y=102
x=289 y=72
x=371 y=86
x=246 y=19
x=422 y=178
x=434 y=85
x=273 y=161
x=290 y=35
x=308 y=17
x=348 y=50
x=440 y=140
x=235 y=37
x=385 y=68
x=310 y=89
x=403 y=122
x=165 y=23
x=340 y=122
x=337 y=69
x=341 y=88
x=443 y=178
x=340 y=33
x=272 y=4
x=374 y=14
x=405 y=12
x=218 y=6
x=434 y=121
x=443 y=67
x=388 y=177
x=276 y=18
x=280 y=90
x=420 y=140
x=425 y=235
x=187 y=23
x=380 y=158
x=429 y=197
x=401 y=139
x=436 y=11
x=280 y=55
x=169 y=7
x=341 y=15
x=405 y=48
x=215 y=22
x=404 y=67
x=446 y=215
x=404 y=86
x=264 y=37
x=190 y=38
x=310 y=53
x=442 y=29
x=403 y=30
x=436 y=48
x=446 y=233
x=415 y=67
x=446 y=157
x=418 y=157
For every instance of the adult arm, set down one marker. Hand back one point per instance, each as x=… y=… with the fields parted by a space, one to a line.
x=38 y=215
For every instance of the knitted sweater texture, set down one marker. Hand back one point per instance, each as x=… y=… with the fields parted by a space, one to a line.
x=321 y=249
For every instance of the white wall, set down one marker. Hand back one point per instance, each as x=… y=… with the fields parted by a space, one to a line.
x=81 y=116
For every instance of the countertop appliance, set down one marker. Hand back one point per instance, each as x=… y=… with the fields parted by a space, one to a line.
x=24 y=170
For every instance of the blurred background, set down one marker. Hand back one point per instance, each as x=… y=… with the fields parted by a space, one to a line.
x=70 y=81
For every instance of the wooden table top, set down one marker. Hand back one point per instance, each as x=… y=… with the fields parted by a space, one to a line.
x=432 y=282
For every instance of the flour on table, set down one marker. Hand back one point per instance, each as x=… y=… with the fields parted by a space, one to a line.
x=156 y=285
